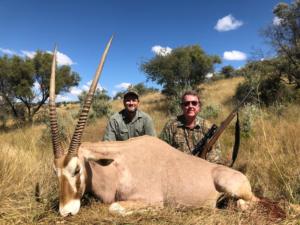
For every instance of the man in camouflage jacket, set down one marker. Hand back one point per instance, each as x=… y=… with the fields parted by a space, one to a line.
x=186 y=130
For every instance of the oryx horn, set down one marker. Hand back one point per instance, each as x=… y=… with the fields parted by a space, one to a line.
x=57 y=148
x=76 y=139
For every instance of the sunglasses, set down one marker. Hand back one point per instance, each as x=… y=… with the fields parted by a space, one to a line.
x=187 y=103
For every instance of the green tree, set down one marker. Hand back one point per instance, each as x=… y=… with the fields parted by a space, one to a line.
x=284 y=36
x=183 y=68
x=140 y=88
x=24 y=83
x=277 y=80
x=119 y=95
x=101 y=105
x=228 y=71
x=265 y=77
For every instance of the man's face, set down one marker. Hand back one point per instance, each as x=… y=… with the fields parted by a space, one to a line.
x=131 y=103
x=190 y=106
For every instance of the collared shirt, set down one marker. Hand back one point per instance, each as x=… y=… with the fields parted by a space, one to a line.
x=119 y=130
x=185 y=139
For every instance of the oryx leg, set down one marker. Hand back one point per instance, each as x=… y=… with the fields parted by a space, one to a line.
x=234 y=184
x=129 y=207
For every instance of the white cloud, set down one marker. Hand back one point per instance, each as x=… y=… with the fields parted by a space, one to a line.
x=76 y=91
x=29 y=54
x=36 y=85
x=159 y=50
x=8 y=51
x=123 y=85
x=62 y=98
x=209 y=75
x=62 y=59
x=277 y=21
x=100 y=87
x=228 y=23
x=234 y=55
x=86 y=87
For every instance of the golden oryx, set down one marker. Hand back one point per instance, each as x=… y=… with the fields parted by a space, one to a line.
x=137 y=173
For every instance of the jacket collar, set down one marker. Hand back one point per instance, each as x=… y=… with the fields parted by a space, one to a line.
x=181 y=121
x=137 y=115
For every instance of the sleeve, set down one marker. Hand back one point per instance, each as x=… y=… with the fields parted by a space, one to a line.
x=166 y=134
x=110 y=132
x=149 y=127
x=215 y=155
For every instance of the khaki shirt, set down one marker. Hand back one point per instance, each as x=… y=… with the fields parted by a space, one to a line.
x=185 y=139
x=118 y=130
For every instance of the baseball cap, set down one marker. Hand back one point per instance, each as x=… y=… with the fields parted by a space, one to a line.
x=131 y=92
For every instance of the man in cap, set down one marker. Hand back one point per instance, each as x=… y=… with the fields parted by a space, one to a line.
x=129 y=122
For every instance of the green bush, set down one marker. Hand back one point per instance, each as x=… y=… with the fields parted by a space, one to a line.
x=243 y=89
x=210 y=111
x=247 y=118
x=101 y=105
x=272 y=90
x=173 y=105
x=269 y=83
x=4 y=116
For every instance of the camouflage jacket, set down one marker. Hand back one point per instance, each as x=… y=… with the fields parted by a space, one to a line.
x=185 y=139
x=118 y=130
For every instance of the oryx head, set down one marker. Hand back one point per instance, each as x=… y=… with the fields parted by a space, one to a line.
x=69 y=167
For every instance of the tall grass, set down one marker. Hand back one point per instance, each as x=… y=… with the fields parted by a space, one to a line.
x=272 y=155
x=24 y=168
x=268 y=156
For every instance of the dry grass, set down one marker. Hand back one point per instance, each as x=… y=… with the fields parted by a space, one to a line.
x=24 y=167
x=269 y=157
x=275 y=146
x=220 y=91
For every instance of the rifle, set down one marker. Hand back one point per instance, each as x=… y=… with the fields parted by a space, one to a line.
x=210 y=138
x=200 y=145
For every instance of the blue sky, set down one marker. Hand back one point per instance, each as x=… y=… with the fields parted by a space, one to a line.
x=142 y=29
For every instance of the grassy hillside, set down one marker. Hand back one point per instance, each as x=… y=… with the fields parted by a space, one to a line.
x=269 y=152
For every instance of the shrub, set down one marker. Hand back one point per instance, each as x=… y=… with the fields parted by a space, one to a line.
x=248 y=115
x=272 y=90
x=267 y=79
x=101 y=105
x=173 y=105
x=210 y=111
x=243 y=89
x=3 y=116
